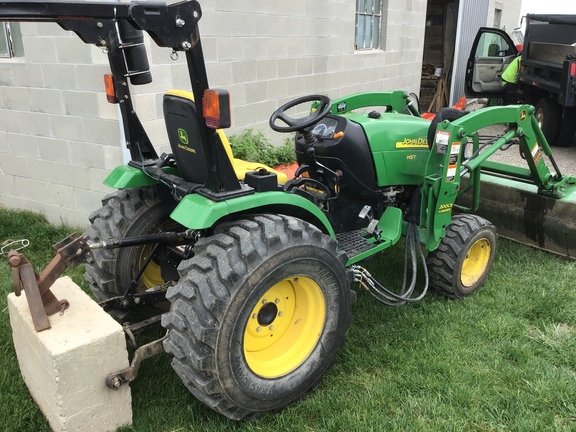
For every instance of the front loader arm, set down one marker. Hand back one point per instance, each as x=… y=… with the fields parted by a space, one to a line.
x=450 y=159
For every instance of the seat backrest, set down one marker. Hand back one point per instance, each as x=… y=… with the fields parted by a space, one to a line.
x=493 y=50
x=183 y=127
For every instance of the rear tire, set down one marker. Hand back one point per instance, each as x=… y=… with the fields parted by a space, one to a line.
x=263 y=279
x=548 y=115
x=125 y=213
x=463 y=259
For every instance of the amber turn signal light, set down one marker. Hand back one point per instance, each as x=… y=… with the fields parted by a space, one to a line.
x=216 y=108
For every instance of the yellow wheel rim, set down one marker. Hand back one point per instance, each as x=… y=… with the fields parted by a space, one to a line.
x=284 y=327
x=152 y=275
x=474 y=265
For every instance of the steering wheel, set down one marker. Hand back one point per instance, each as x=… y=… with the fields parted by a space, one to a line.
x=292 y=124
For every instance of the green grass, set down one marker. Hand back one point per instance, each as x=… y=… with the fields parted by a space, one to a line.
x=502 y=360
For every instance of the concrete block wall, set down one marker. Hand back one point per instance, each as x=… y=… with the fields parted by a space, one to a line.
x=59 y=138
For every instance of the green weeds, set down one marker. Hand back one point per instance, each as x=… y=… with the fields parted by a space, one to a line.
x=255 y=147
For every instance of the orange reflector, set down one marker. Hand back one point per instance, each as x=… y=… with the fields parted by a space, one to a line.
x=572 y=69
x=110 y=91
x=216 y=108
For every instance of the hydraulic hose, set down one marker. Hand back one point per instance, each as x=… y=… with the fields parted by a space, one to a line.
x=413 y=251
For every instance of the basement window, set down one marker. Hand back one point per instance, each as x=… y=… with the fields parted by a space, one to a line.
x=368 y=24
x=10 y=40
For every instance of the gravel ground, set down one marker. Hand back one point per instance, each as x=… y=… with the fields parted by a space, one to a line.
x=565 y=157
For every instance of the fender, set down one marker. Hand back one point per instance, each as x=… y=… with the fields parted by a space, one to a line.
x=126 y=176
x=198 y=212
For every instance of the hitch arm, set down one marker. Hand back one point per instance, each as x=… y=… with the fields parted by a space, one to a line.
x=71 y=251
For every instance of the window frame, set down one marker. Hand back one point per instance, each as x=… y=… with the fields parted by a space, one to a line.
x=374 y=16
x=13 y=36
x=6 y=51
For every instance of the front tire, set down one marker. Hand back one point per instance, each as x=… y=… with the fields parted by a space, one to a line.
x=258 y=314
x=463 y=259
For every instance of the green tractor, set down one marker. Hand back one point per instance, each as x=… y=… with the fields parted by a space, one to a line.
x=250 y=272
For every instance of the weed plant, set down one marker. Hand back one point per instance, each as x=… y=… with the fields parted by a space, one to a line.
x=255 y=147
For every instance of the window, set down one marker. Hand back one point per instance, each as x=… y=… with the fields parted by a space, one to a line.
x=368 y=24
x=10 y=40
x=493 y=45
x=497 y=18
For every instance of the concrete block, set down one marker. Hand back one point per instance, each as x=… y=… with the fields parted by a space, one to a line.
x=87 y=201
x=244 y=71
x=29 y=76
x=15 y=98
x=46 y=101
x=81 y=103
x=72 y=50
x=90 y=77
x=36 y=52
x=86 y=155
x=63 y=77
x=9 y=121
x=220 y=73
x=54 y=150
x=277 y=89
x=65 y=367
x=286 y=67
x=66 y=127
x=266 y=69
x=304 y=66
x=14 y=165
x=22 y=145
x=4 y=145
x=255 y=48
x=101 y=131
x=230 y=49
x=237 y=96
x=256 y=92
x=36 y=124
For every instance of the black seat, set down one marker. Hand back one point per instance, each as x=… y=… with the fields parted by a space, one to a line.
x=183 y=127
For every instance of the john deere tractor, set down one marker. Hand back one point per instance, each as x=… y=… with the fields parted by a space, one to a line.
x=250 y=271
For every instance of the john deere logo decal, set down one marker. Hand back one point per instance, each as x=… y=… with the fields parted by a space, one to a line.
x=182 y=136
x=522 y=115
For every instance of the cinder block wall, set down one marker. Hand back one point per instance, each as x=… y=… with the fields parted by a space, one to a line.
x=59 y=138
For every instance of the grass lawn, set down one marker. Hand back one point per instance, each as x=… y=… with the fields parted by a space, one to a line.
x=503 y=359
